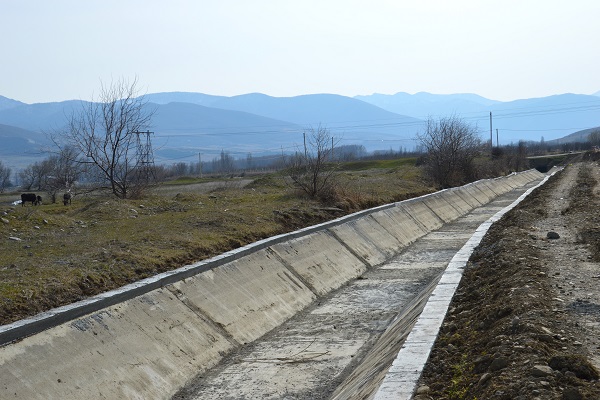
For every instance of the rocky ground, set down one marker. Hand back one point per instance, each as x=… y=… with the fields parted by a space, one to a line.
x=525 y=322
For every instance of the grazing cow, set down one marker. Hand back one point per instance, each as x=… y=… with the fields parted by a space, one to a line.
x=29 y=197
x=66 y=198
x=38 y=200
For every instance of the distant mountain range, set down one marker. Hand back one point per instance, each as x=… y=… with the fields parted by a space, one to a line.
x=188 y=124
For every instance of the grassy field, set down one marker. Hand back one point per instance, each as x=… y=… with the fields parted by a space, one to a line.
x=52 y=254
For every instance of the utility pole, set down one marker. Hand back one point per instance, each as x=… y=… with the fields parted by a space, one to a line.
x=497 y=140
x=305 y=152
x=491 y=134
x=332 y=148
x=200 y=164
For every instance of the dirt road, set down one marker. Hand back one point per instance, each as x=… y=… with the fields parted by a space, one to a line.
x=525 y=322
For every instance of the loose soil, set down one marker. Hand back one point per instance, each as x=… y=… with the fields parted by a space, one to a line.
x=525 y=321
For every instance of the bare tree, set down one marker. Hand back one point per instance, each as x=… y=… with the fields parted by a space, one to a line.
x=35 y=175
x=107 y=134
x=62 y=170
x=594 y=138
x=451 y=145
x=314 y=170
x=5 y=172
x=224 y=164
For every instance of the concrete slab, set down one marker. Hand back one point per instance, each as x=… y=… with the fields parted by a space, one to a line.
x=360 y=244
x=141 y=348
x=322 y=262
x=396 y=222
x=377 y=235
x=476 y=193
x=440 y=205
x=453 y=197
x=247 y=297
x=422 y=214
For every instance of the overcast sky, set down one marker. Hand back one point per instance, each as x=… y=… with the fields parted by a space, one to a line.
x=501 y=49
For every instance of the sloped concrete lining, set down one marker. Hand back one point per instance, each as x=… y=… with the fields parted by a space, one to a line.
x=230 y=295
x=422 y=214
x=141 y=348
x=488 y=189
x=362 y=245
x=148 y=339
x=453 y=197
x=441 y=206
x=396 y=222
x=381 y=239
x=482 y=195
x=321 y=261
x=402 y=377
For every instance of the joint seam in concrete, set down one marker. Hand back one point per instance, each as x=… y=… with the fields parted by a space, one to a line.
x=464 y=196
x=351 y=250
x=434 y=213
x=400 y=244
x=460 y=213
x=292 y=271
x=415 y=220
x=197 y=311
x=476 y=187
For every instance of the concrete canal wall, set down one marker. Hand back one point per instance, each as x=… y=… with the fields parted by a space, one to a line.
x=148 y=339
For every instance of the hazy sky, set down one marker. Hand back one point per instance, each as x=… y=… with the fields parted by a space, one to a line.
x=501 y=49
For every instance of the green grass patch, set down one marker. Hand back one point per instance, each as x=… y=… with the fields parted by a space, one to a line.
x=377 y=164
x=53 y=254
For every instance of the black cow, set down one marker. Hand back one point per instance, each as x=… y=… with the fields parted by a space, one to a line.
x=29 y=197
x=38 y=200
x=66 y=198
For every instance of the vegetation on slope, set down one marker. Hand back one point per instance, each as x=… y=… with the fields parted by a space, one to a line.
x=53 y=254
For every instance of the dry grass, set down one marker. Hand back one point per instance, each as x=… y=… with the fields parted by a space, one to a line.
x=52 y=254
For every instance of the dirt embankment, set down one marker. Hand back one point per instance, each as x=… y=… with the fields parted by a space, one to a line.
x=525 y=322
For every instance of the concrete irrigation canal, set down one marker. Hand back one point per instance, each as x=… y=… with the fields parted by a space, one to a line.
x=330 y=311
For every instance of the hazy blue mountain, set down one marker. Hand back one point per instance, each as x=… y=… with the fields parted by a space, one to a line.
x=579 y=136
x=310 y=110
x=349 y=120
x=6 y=103
x=183 y=97
x=21 y=147
x=550 y=117
x=422 y=105
x=187 y=124
x=40 y=116
x=597 y=93
x=182 y=130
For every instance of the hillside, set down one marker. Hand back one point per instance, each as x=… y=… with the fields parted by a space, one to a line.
x=422 y=104
x=40 y=117
x=551 y=117
x=20 y=147
x=6 y=103
x=184 y=125
x=182 y=130
x=188 y=124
